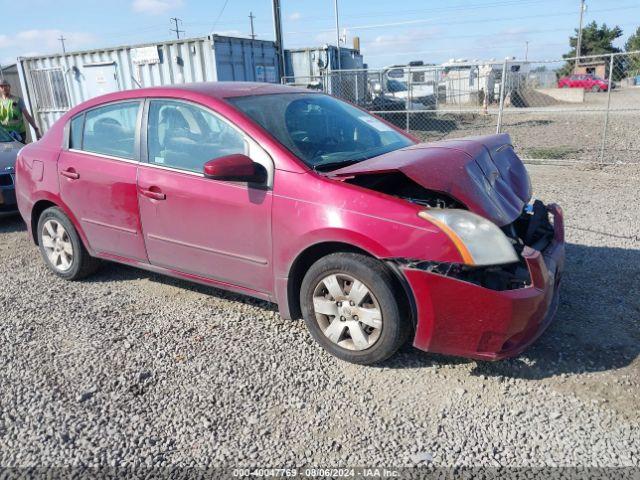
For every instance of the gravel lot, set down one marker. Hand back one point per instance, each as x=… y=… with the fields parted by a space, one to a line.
x=572 y=134
x=131 y=368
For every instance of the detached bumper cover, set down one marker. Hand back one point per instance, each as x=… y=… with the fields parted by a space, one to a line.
x=464 y=319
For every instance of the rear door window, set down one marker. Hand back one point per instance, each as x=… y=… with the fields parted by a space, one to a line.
x=75 y=135
x=111 y=130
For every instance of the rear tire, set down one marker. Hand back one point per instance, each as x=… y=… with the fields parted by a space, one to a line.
x=351 y=306
x=61 y=248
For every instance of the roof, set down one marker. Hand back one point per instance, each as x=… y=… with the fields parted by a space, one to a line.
x=214 y=90
x=228 y=89
x=592 y=63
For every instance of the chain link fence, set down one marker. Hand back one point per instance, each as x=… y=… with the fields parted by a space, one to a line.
x=581 y=109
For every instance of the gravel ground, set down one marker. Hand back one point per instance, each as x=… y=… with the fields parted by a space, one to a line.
x=131 y=368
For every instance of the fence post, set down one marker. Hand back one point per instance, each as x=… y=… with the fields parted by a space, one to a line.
x=503 y=87
x=409 y=97
x=606 y=114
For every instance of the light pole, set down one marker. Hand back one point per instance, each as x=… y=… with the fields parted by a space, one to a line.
x=579 y=41
x=337 y=33
x=253 y=34
x=277 y=26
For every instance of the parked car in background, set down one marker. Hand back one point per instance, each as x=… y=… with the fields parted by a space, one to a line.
x=299 y=198
x=398 y=90
x=9 y=149
x=587 y=82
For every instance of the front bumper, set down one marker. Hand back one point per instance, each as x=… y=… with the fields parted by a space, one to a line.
x=460 y=318
x=8 y=203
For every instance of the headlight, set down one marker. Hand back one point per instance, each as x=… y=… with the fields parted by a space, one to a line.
x=479 y=241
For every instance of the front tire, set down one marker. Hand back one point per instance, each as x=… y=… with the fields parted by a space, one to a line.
x=351 y=306
x=61 y=248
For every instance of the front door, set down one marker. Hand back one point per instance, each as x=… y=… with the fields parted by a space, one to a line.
x=213 y=229
x=97 y=175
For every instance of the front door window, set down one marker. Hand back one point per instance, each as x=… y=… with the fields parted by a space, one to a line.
x=185 y=137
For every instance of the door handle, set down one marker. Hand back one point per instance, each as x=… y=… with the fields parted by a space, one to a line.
x=154 y=194
x=70 y=173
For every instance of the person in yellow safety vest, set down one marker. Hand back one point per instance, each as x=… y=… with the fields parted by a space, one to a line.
x=12 y=111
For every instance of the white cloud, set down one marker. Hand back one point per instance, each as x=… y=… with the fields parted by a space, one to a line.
x=294 y=16
x=155 y=7
x=38 y=42
x=328 y=37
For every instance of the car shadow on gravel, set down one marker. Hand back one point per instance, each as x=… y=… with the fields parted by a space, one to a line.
x=12 y=224
x=110 y=272
x=597 y=327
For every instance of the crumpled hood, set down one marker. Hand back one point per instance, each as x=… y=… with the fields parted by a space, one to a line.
x=484 y=173
x=8 y=153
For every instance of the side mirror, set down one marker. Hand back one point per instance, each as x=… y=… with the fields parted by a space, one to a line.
x=235 y=168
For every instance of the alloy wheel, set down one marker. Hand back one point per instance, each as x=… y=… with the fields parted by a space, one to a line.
x=347 y=312
x=57 y=245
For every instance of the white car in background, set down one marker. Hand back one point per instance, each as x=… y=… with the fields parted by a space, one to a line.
x=406 y=83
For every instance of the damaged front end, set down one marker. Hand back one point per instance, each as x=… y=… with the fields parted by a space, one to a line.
x=532 y=230
x=500 y=291
x=494 y=311
x=475 y=190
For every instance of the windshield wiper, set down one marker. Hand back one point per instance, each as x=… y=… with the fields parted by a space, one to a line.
x=333 y=165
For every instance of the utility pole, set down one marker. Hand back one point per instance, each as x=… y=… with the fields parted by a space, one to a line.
x=338 y=33
x=177 y=30
x=579 y=41
x=277 y=26
x=251 y=17
x=526 y=50
x=62 y=39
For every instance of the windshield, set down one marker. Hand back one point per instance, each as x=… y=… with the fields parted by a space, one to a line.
x=4 y=136
x=396 y=86
x=324 y=132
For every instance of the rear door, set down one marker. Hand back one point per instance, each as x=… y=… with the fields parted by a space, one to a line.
x=97 y=175
x=209 y=228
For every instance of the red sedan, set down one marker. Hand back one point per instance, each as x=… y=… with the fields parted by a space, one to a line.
x=587 y=82
x=302 y=199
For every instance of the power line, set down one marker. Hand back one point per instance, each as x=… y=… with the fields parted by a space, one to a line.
x=177 y=30
x=473 y=21
x=219 y=15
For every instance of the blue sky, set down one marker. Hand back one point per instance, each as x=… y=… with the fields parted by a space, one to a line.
x=429 y=30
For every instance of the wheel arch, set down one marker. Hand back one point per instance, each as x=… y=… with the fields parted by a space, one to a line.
x=313 y=253
x=39 y=207
x=47 y=202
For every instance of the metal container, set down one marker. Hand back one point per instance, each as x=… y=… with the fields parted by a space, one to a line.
x=318 y=68
x=53 y=84
x=312 y=62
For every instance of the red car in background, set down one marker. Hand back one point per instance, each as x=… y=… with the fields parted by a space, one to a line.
x=304 y=200
x=587 y=82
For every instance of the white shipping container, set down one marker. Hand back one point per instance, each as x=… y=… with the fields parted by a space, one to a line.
x=53 y=84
